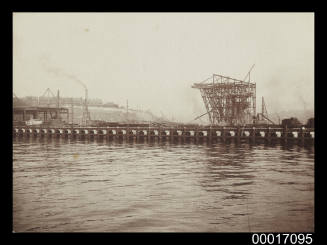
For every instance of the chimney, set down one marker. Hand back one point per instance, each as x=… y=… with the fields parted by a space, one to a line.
x=58 y=99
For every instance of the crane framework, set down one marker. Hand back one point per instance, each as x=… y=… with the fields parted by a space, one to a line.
x=86 y=114
x=228 y=101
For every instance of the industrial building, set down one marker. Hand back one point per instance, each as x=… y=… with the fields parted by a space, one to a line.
x=49 y=115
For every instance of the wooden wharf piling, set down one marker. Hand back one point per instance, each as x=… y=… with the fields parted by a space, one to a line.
x=180 y=134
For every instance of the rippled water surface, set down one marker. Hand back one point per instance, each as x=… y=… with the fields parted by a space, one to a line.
x=75 y=186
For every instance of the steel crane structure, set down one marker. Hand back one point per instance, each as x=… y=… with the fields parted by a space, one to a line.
x=228 y=101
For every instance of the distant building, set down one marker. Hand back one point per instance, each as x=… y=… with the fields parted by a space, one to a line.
x=48 y=115
x=292 y=122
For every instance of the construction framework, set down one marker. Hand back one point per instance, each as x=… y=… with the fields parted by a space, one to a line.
x=228 y=101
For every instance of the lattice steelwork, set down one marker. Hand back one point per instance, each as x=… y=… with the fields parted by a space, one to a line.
x=228 y=101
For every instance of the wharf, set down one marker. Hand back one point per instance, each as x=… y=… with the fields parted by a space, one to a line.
x=182 y=133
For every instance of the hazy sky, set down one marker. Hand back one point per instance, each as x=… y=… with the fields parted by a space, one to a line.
x=152 y=59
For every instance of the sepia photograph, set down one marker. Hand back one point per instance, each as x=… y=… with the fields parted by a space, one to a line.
x=163 y=122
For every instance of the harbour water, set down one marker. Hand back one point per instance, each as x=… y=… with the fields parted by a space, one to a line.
x=63 y=185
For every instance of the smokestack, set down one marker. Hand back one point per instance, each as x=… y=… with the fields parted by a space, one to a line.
x=58 y=99
x=262 y=106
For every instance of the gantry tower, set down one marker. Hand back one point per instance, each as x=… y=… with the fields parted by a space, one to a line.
x=228 y=101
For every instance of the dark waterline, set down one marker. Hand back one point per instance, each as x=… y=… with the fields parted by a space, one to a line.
x=69 y=185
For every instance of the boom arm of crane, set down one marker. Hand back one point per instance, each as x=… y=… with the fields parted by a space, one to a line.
x=248 y=74
x=201 y=115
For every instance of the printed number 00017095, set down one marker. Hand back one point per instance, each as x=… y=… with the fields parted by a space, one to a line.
x=284 y=238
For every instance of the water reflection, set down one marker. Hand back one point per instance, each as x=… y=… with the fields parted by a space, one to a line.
x=91 y=185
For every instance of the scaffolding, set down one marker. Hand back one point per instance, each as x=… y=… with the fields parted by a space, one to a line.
x=228 y=101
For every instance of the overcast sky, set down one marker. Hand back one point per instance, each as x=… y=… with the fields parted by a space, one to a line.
x=152 y=59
